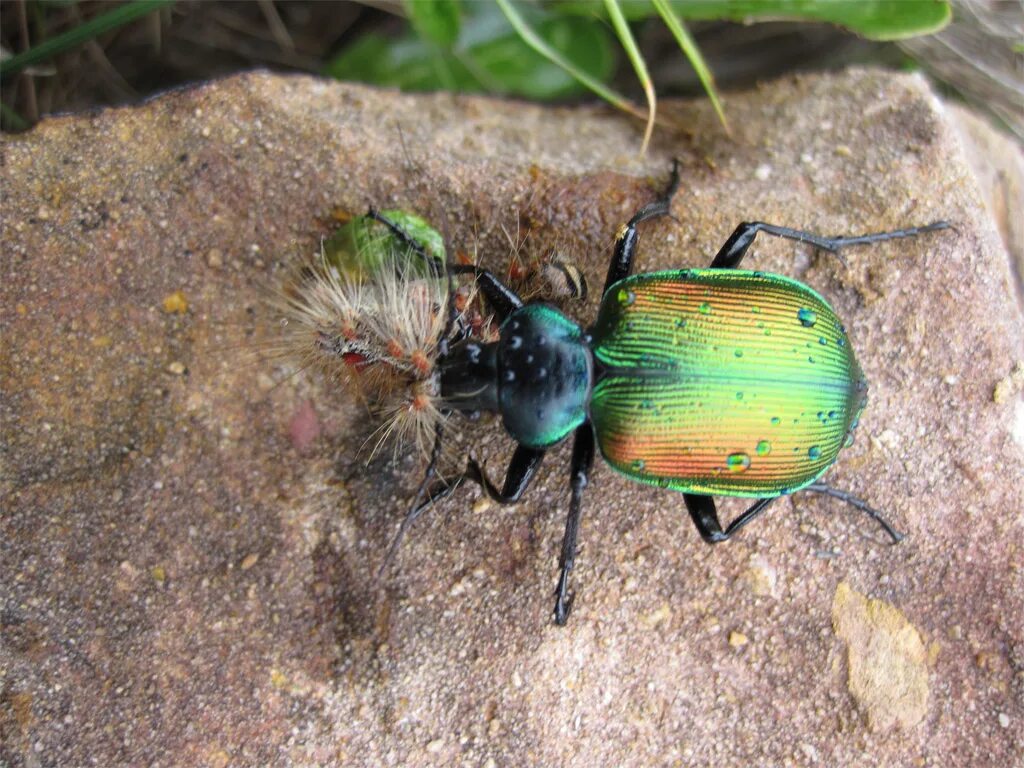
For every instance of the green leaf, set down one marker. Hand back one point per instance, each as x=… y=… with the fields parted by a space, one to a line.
x=434 y=20
x=488 y=57
x=80 y=34
x=873 y=19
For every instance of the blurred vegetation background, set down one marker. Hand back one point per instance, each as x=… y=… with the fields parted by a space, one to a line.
x=63 y=55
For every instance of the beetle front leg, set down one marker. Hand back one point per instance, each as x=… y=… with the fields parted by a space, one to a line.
x=579 y=475
x=705 y=516
x=501 y=298
x=731 y=254
x=625 y=240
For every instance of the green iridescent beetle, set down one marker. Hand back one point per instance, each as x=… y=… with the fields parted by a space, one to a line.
x=710 y=382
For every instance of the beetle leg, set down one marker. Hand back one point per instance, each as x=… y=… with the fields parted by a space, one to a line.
x=436 y=265
x=521 y=470
x=705 y=516
x=501 y=298
x=751 y=512
x=416 y=509
x=858 y=503
x=579 y=474
x=731 y=254
x=625 y=241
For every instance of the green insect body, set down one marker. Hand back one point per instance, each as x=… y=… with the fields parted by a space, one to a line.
x=722 y=382
x=360 y=248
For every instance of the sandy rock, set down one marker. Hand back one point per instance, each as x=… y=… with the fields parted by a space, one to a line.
x=187 y=572
x=885 y=657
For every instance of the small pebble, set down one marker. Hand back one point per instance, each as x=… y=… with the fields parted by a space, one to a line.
x=249 y=561
x=175 y=303
x=738 y=639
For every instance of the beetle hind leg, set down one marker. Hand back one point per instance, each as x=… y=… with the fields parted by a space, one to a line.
x=859 y=504
x=705 y=516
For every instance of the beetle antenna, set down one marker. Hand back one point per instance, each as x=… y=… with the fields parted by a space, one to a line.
x=858 y=503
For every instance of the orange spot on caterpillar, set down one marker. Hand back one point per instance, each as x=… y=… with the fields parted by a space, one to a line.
x=421 y=362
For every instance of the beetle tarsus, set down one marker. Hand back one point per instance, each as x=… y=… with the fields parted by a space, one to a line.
x=564 y=600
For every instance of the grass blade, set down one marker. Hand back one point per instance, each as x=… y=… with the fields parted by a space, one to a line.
x=689 y=47
x=80 y=34
x=538 y=44
x=621 y=28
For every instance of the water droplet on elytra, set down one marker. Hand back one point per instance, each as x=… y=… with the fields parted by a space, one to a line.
x=638 y=465
x=737 y=462
x=807 y=317
x=764 y=448
x=776 y=421
x=626 y=297
x=705 y=308
x=814 y=452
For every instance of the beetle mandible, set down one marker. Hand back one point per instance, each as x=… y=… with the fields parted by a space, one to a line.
x=711 y=382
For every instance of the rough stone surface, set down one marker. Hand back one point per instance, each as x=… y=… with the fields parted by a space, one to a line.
x=998 y=164
x=189 y=536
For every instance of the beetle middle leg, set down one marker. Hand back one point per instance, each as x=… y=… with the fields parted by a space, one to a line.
x=731 y=254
